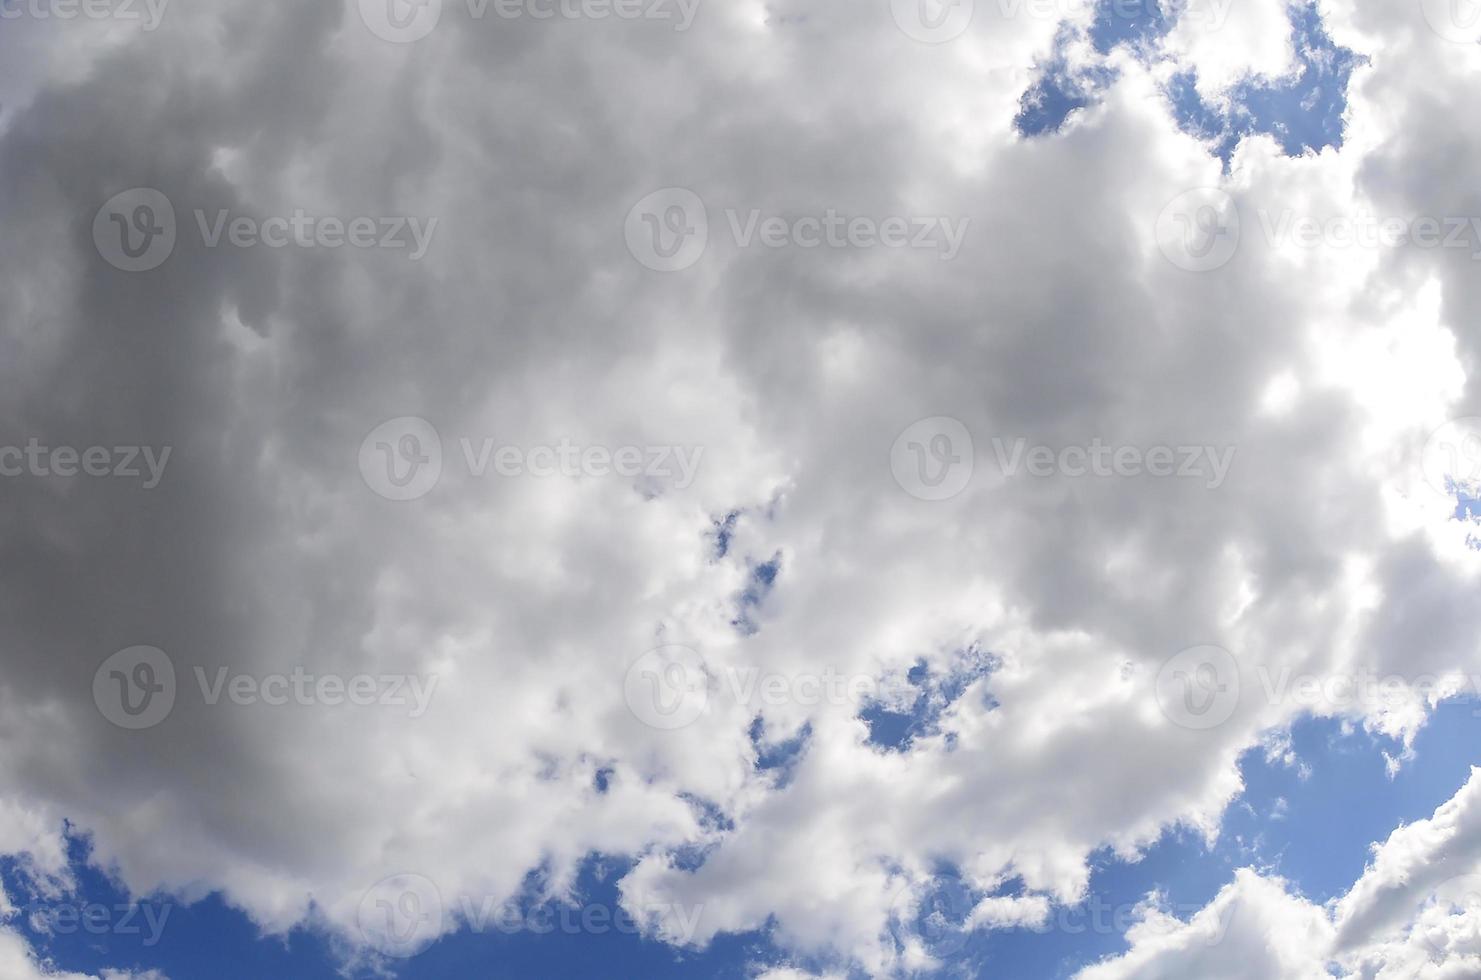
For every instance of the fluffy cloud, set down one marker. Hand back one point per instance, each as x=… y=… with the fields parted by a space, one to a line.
x=1055 y=600
x=1252 y=929
x=1228 y=42
x=18 y=962
x=1415 y=912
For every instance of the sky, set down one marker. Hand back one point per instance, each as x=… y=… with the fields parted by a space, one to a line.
x=781 y=491
x=1311 y=821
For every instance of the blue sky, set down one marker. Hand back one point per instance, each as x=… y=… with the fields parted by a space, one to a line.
x=1312 y=823
x=1302 y=111
x=792 y=475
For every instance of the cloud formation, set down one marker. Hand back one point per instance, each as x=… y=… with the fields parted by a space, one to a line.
x=1039 y=613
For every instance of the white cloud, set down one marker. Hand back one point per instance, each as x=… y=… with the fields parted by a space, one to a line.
x=1437 y=859
x=1252 y=930
x=1415 y=912
x=1232 y=40
x=1060 y=322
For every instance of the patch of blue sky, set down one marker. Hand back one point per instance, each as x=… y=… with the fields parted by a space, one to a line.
x=724 y=529
x=779 y=758
x=588 y=936
x=99 y=927
x=1312 y=821
x=916 y=710
x=1302 y=111
x=1136 y=23
x=1467 y=511
x=763 y=578
x=1058 y=91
